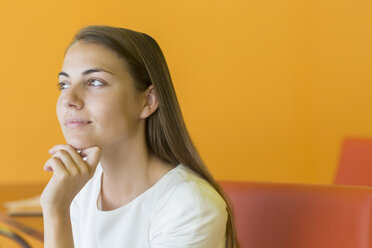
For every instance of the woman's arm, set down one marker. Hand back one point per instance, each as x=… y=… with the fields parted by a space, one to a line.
x=70 y=174
x=57 y=229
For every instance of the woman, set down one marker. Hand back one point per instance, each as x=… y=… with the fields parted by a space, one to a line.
x=129 y=175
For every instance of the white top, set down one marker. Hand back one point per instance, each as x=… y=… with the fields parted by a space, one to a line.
x=180 y=210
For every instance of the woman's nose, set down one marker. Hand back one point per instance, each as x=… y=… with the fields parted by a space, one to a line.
x=73 y=98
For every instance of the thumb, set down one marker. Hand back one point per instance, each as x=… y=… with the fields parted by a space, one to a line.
x=93 y=155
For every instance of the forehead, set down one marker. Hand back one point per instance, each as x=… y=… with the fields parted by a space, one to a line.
x=82 y=55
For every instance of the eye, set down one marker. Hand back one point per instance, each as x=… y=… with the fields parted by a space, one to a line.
x=60 y=86
x=95 y=80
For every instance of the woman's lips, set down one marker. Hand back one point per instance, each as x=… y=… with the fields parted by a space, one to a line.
x=76 y=124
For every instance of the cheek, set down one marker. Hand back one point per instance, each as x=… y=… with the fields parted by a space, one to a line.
x=110 y=115
x=115 y=116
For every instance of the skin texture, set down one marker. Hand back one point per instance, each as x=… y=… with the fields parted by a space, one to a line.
x=115 y=138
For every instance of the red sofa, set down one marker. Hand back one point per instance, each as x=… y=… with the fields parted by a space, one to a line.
x=283 y=215
x=355 y=162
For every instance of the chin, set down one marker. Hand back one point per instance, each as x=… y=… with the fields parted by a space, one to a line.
x=79 y=144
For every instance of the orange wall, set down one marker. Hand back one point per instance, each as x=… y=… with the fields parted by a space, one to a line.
x=267 y=88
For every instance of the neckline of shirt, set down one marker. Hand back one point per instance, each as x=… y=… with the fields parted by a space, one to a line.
x=98 y=191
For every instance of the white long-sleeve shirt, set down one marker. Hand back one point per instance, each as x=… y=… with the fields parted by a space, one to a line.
x=180 y=210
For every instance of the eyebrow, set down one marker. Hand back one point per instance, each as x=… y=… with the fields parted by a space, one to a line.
x=62 y=73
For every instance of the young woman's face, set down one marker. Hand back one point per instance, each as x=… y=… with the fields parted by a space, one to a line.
x=107 y=100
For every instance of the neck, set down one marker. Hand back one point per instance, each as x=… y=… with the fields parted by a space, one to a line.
x=129 y=168
x=126 y=166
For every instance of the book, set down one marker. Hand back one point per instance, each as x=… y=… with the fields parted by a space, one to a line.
x=24 y=207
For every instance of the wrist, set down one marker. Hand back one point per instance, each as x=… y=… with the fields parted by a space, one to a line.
x=56 y=211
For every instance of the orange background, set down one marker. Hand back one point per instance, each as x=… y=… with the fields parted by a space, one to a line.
x=268 y=89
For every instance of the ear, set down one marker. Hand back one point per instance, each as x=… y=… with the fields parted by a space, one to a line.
x=150 y=102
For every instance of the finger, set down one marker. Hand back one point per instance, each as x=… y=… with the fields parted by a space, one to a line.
x=67 y=161
x=47 y=167
x=93 y=156
x=76 y=157
x=56 y=166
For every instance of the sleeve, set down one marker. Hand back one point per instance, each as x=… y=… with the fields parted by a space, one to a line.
x=74 y=217
x=190 y=215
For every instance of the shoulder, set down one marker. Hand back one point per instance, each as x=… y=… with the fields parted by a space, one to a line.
x=188 y=209
x=186 y=186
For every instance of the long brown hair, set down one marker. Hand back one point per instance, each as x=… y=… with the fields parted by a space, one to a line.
x=166 y=133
